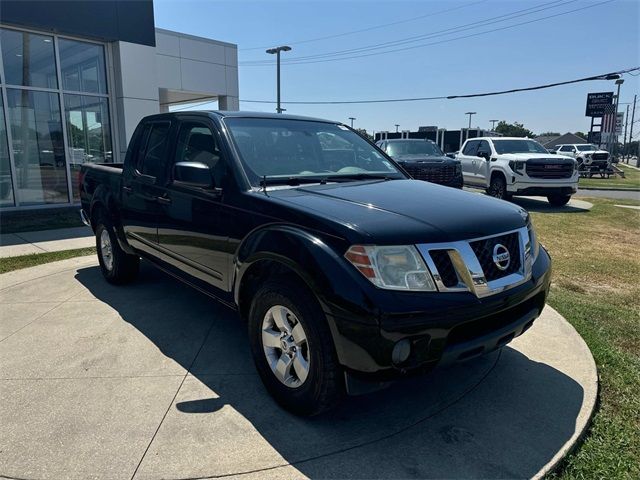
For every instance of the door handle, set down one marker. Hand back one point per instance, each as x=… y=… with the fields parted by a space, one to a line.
x=127 y=189
x=163 y=200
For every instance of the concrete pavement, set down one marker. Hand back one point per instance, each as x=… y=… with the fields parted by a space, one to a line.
x=617 y=194
x=25 y=243
x=155 y=380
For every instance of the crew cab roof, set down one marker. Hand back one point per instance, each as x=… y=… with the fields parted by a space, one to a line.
x=237 y=114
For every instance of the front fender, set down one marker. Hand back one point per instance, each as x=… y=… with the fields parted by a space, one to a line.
x=337 y=285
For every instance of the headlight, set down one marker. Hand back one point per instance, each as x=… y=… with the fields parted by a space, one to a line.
x=517 y=165
x=392 y=267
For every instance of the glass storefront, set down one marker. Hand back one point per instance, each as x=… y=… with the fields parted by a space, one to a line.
x=53 y=117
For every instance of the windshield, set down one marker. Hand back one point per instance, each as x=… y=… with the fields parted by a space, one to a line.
x=518 y=146
x=586 y=148
x=292 y=151
x=413 y=148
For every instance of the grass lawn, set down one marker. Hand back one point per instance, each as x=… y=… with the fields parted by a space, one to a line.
x=27 y=221
x=595 y=286
x=630 y=181
x=24 y=261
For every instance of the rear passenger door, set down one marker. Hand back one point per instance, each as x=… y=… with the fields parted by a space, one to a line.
x=140 y=184
x=468 y=160
x=190 y=231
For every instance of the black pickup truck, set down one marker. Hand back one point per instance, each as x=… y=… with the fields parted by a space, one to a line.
x=348 y=273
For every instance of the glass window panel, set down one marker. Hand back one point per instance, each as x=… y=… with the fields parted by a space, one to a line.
x=28 y=59
x=88 y=133
x=6 y=184
x=82 y=66
x=38 y=147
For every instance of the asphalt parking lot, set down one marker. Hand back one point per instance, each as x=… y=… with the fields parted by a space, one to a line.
x=155 y=380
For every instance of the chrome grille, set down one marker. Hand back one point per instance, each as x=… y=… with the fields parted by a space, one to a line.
x=600 y=156
x=549 y=170
x=468 y=266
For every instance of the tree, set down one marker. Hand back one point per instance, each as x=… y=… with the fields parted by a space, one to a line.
x=549 y=134
x=580 y=134
x=513 y=130
x=364 y=133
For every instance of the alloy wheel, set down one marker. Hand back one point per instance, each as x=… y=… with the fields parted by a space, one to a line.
x=285 y=346
x=106 y=250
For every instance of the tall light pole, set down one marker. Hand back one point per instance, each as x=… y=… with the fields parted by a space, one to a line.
x=614 y=137
x=470 y=114
x=352 y=119
x=397 y=126
x=493 y=124
x=276 y=51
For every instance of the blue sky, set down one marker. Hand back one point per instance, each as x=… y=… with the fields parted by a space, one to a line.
x=595 y=40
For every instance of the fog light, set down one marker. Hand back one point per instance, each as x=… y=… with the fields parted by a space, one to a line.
x=401 y=352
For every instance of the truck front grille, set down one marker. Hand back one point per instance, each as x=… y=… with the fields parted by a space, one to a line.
x=600 y=156
x=432 y=173
x=484 y=251
x=549 y=170
x=445 y=268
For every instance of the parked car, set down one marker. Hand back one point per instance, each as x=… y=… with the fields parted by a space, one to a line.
x=590 y=158
x=347 y=272
x=424 y=160
x=507 y=166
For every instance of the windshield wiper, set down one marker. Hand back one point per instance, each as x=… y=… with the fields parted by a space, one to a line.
x=359 y=176
x=292 y=180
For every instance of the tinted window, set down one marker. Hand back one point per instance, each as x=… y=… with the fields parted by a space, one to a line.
x=484 y=146
x=518 y=146
x=586 y=148
x=566 y=148
x=471 y=148
x=155 y=150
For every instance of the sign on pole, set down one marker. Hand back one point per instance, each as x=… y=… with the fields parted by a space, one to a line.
x=596 y=103
x=619 y=123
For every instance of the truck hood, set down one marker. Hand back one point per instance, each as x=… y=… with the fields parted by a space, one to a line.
x=424 y=159
x=536 y=156
x=401 y=211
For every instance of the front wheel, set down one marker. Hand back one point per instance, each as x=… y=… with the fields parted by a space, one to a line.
x=558 y=200
x=117 y=266
x=293 y=349
x=498 y=188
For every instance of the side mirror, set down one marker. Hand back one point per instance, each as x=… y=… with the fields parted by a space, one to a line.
x=483 y=154
x=193 y=174
x=553 y=151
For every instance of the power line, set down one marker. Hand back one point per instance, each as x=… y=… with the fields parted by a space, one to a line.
x=451 y=97
x=368 y=29
x=415 y=38
x=441 y=41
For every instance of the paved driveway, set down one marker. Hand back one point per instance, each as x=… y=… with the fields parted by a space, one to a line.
x=155 y=380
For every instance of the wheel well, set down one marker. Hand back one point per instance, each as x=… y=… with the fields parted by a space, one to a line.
x=498 y=173
x=96 y=211
x=258 y=274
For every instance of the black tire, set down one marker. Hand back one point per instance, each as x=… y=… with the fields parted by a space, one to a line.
x=558 y=200
x=498 y=188
x=122 y=267
x=323 y=387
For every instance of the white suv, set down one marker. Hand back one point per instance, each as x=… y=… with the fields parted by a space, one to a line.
x=507 y=166
x=590 y=158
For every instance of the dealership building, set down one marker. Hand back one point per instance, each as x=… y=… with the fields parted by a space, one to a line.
x=76 y=77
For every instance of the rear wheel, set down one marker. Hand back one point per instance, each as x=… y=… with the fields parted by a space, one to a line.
x=558 y=200
x=117 y=266
x=498 y=188
x=293 y=349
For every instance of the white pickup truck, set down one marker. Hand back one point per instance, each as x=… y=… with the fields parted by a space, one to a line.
x=507 y=166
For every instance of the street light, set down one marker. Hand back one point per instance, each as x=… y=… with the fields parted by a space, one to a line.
x=470 y=114
x=276 y=51
x=397 y=125
x=352 y=119
x=493 y=124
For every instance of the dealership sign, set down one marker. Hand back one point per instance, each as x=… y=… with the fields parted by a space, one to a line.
x=596 y=103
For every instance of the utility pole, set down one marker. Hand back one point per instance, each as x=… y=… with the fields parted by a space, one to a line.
x=493 y=124
x=470 y=115
x=352 y=119
x=397 y=126
x=624 y=138
x=633 y=116
x=276 y=51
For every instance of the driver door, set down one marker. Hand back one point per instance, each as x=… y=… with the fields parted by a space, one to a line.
x=468 y=160
x=483 y=163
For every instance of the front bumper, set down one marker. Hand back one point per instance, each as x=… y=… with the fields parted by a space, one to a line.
x=443 y=328
x=545 y=191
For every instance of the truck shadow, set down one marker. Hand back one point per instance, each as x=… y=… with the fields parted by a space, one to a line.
x=541 y=205
x=503 y=415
